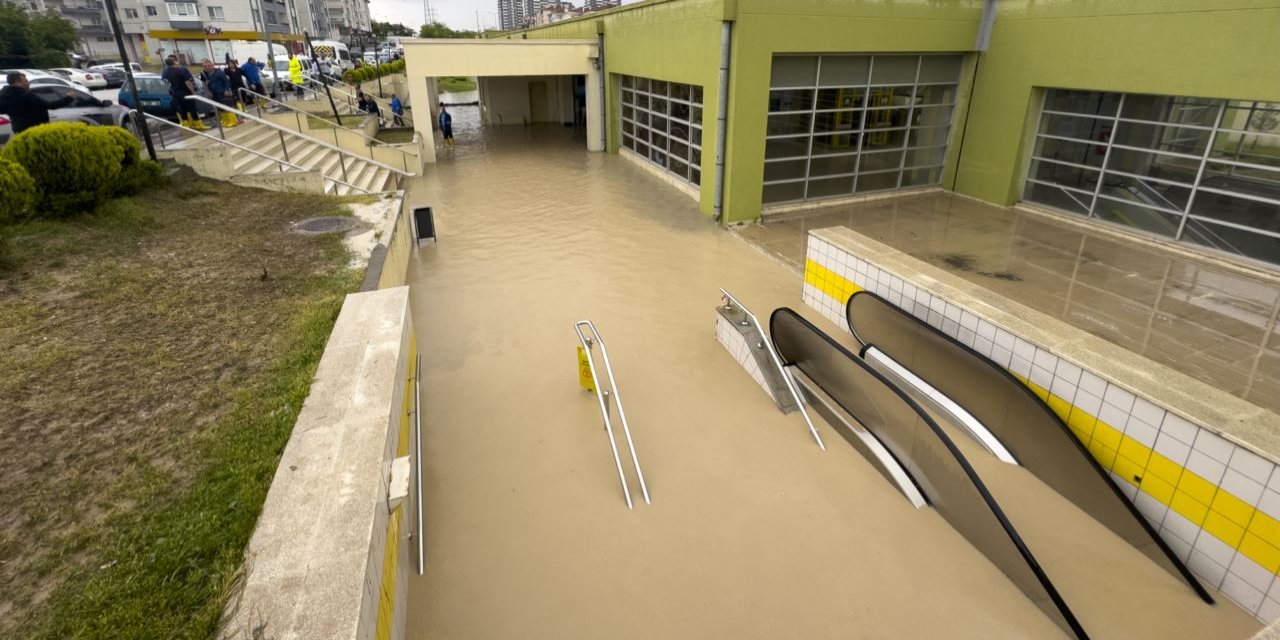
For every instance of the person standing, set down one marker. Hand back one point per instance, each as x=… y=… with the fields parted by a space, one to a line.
x=295 y=73
x=397 y=110
x=253 y=76
x=326 y=69
x=181 y=85
x=24 y=108
x=446 y=125
x=236 y=79
x=218 y=89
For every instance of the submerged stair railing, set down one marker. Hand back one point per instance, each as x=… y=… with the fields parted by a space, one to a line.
x=762 y=342
x=604 y=396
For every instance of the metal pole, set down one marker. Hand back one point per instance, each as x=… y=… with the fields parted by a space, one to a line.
x=722 y=116
x=128 y=72
x=271 y=58
x=323 y=80
x=417 y=415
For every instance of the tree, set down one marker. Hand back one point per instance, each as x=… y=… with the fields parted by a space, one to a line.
x=383 y=29
x=34 y=40
x=442 y=30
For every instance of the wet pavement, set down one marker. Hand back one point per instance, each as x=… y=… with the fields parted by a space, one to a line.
x=753 y=531
x=1212 y=322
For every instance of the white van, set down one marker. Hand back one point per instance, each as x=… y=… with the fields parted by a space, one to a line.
x=334 y=50
x=242 y=50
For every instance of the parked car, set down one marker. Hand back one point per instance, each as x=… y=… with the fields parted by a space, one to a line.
x=37 y=77
x=114 y=76
x=80 y=76
x=83 y=108
x=156 y=100
x=137 y=68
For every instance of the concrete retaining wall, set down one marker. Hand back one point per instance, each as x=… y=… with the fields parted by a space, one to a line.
x=1198 y=463
x=330 y=555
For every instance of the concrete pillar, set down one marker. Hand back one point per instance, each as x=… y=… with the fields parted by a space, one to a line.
x=594 y=142
x=420 y=90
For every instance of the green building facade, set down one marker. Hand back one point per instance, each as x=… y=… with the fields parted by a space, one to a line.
x=1159 y=115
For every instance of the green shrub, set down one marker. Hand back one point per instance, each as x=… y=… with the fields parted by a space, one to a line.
x=18 y=188
x=74 y=165
x=136 y=174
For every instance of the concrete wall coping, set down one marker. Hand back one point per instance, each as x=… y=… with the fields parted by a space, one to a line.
x=1245 y=423
x=308 y=561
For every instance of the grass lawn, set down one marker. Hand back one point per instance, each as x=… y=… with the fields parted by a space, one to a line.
x=455 y=84
x=395 y=136
x=153 y=358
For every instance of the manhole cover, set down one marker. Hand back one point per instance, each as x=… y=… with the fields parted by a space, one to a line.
x=324 y=225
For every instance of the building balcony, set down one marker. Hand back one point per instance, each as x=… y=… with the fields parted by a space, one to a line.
x=95 y=30
x=82 y=10
x=187 y=24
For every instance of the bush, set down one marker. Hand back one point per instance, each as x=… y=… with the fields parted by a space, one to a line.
x=136 y=174
x=74 y=165
x=18 y=188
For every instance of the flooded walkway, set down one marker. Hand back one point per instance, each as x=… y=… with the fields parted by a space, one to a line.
x=1211 y=322
x=753 y=532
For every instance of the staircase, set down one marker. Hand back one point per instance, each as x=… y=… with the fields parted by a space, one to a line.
x=360 y=175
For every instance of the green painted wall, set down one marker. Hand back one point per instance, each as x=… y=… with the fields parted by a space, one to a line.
x=766 y=27
x=1205 y=48
x=674 y=40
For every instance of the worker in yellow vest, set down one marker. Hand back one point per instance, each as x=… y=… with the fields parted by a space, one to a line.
x=295 y=73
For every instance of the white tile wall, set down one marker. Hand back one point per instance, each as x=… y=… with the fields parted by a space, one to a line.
x=1248 y=476
x=734 y=342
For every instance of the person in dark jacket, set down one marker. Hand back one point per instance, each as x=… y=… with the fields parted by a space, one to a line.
x=24 y=108
x=181 y=85
x=218 y=88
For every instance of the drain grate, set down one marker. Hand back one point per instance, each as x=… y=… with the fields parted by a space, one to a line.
x=331 y=224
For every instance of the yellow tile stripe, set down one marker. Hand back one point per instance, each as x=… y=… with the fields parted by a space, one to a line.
x=829 y=282
x=1249 y=530
x=1228 y=518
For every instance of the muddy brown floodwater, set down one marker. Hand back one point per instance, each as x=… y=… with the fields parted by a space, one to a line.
x=753 y=532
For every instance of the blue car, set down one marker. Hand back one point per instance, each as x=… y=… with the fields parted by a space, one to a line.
x=155 y=97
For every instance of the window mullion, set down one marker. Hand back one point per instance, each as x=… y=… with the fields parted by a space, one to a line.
x=1204 y=160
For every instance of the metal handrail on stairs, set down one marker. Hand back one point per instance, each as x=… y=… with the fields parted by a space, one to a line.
x=282 y=164
x=383 y=102
x=603 y=397
x=298 y=113
x=281 y=131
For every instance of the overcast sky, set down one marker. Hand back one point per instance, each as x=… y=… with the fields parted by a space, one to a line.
x=459 y=14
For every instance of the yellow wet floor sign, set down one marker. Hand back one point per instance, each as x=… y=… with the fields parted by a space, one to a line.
x=585 y=378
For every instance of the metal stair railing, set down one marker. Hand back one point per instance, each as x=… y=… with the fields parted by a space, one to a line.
x=350 y=96
x=298 y=114
x=282 y=164
x=777 y=362
x=343 y=154
x=603 y=397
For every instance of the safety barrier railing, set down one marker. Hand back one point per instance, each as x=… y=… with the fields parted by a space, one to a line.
x=349 y=95
x=731 y=301
x=603 y=397
x=281 y=164
x=343 y=155
x=417 y=455
x=258 y=100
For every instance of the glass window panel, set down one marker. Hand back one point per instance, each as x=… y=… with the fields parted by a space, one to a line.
x=658 y=123
x=1091 y=102
x=695 y=94
x=642 y=117
x=1154 y=165
x=628 y=97
x=1058 y=197
x=877 y=181
x=925 y=157
x=627 y=127
x=791 y=100
x=1246 y=115
x=678 y=149
x=695 y=136
x=1092 y=129
x=657 y=105
x=1162 y=137
x=642 y=148
x=788 y=123
x=695 y=115
x=658 y=87
x=1236 y=241
x=679 y=91
x=881 y=161
x=885 y=97
x=939 y=69
x=626 y=82
x=658 y=140
x=840 y=71
x=1254 y=181
x=1133 y=214
x=657 y=156
x=1064 y=175
x=831 y=187
x=642 y=84
x=887 y=118
x=885 y=139
x=922 y=176
x=936 y=94
x=642 y=134
x=846 y=98
x=680 y=110
x=679 y=130
x=832 y=165
x=894 y=69
x=786 y=147
x=628 y=141
x=931 y=116
x=1236 y=210
x=839 y=143
x=1069 y=151
x=628 y=113
x=834 y=121
x=1197 y=111
x=794 y=71
x=928 y=137
x=679 y=167
x=642 y=101
x=1247 y=147
x=695 y=176
x=1146 y=192
x=695 y=156
x=785 y=192
x=786 y=170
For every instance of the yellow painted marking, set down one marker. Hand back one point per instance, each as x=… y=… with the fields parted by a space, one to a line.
x=1261 y=552
x=387 y=592
x=829 y=282
x=585 y=378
